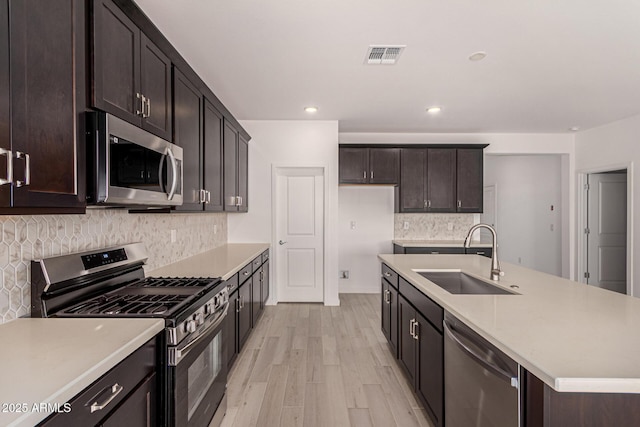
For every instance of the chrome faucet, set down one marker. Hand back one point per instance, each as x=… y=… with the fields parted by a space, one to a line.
x=495 y=265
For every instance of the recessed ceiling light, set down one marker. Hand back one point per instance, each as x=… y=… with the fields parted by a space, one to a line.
x=433 y=110
x=574 y=128
x=311 y=109
x=477 y=56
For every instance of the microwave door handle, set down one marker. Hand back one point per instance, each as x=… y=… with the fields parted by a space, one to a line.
x=160 y=180
x=174 y=173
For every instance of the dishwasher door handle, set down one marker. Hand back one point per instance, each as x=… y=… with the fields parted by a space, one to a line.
x=483 y=358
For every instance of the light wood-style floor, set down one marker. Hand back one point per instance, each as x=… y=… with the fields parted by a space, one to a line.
x=311 y=365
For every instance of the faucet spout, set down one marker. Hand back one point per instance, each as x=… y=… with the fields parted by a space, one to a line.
x=495 y=264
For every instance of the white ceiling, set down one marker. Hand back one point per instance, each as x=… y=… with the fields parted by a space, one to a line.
x=550 y=65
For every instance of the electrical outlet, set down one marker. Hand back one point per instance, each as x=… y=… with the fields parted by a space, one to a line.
x=344 y=274
x=450 y=226
x=405 y=225
x=174 y=235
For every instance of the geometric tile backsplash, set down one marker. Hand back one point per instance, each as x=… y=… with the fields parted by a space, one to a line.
x=432 y=226
x=26 y=237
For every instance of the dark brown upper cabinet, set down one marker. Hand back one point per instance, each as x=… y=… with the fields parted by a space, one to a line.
x=369 y=165
x=42 y=101
x=413 y=180
x=188 y=135
x=131 y=75
x=236 y=169
x=441 y=180
x=213 y=158
x=198 y=130
x=469 y=180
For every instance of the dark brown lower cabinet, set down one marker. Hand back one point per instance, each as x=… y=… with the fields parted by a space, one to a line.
x=390 y=315
x=256 y=297
x=230 y=328
x=126 y=395
x=244 y=312
x=544 y=407
x=265 y=283
x=139 y=409
x=420 y=351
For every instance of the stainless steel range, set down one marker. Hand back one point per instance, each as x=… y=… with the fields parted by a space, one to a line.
x=111 y=283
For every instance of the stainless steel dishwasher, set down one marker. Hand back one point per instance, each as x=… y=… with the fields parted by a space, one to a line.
x=480 y=381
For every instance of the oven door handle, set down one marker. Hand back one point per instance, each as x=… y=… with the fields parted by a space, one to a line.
x=174 y=173
x=176 y=354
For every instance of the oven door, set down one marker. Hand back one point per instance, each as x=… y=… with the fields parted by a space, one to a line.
x=198 y=376
x=133 y=166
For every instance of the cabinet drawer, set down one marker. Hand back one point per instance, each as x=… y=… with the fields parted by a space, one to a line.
x=265 y=256
x=124 y=377
x=434 y=250
x=429 y=309
x=390 y=275
x=257 y=262
x=232 y=283
x=245 y=273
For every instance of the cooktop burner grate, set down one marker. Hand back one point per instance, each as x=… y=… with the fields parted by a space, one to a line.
x=164 y=282
x=142 y=305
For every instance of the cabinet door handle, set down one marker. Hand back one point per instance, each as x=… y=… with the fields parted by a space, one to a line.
x=140 y=111
x=148 y=107
x=387 y=274
x=387 y=296
x=27 y=168
x=415 y=333
x=371 y=174
x=116 y=389
x=208 y=197
x=9 y=170
x=459 y=203
x=203 y=196
x=232 y=201
x=245 y=273
x=364 y=175
x=428 y=203
x=238 y=305
x=238 y=200
x=411 y=322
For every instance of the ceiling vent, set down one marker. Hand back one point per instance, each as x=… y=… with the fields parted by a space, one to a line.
x=386 y=55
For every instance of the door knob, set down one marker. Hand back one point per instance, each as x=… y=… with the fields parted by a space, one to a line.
x=282 y=242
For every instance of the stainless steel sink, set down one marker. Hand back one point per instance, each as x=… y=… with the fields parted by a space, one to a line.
x=457 y=282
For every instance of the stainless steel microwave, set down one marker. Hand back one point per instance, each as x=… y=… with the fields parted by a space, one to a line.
x=130 y=166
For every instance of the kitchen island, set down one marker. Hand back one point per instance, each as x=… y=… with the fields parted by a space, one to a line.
x=579 y=342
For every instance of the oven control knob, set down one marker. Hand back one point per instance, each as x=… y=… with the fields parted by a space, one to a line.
x=190 y=326
x=199 y=318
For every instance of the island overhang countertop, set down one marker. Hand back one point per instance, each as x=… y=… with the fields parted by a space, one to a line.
x=574 y=337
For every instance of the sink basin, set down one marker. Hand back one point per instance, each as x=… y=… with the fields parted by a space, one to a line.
x=457 y=282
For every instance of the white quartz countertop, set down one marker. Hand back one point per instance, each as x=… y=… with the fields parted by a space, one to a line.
x=438 y=244
x=51 y=360
x=574 y=337
x=223 y=262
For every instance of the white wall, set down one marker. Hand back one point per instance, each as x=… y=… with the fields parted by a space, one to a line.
x=616 y=146
x=290 y=143
x=529 y=232
x=506 y=143
x=371 y=209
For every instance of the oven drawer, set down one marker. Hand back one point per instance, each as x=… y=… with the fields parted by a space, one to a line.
x=245 y=273
x=104 y=395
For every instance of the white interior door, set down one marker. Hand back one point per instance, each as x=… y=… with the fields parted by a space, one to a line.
x=489 y=211
x=299 y=217
x=607 y=236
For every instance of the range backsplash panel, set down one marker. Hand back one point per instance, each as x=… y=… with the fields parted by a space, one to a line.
x=432 y=226
x=25 y=238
